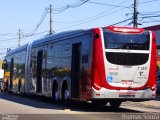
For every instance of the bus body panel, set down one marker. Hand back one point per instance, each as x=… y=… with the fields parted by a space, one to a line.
x=57 y=55
x=104 y=93
x=85 y=61
x=15 y=81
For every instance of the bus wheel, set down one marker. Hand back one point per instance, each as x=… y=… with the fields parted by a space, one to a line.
x=115 y=104
x=65 y=95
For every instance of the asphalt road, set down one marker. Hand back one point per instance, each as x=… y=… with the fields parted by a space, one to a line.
x=15 y=107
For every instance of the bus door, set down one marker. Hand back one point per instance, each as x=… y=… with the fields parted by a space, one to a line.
x=11 y=73
x=39 y=72
x=75 y=70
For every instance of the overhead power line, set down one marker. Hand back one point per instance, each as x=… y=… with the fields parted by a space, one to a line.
x=153 y=21
x=75 y=5
x=148 y=1
x=104 y=4
x=152 y=16
x=7 y=34
x=72 y=5
x=39 y=23
x=35 y=34
x=7 y=48
x=59 y=10
x=150 y=12
x=24 y=36
x=93 y=18
x=10 y=39
x=97 y=16
x=121 y=22
x=90 y=20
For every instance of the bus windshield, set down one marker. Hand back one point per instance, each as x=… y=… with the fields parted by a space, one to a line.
x=126 y=41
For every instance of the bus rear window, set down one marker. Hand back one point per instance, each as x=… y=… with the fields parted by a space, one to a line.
x=126 y=41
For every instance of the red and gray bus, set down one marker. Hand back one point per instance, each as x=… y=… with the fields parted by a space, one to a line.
x=110 y=64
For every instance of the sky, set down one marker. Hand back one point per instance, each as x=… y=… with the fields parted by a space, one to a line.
x=32 y=17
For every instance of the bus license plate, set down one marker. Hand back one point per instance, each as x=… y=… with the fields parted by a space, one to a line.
x=127 y=96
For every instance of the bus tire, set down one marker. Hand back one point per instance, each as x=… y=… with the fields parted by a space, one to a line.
x=65 y=94
x=115 y=104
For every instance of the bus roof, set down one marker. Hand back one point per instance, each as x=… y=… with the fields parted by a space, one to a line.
x=54 y=37
x=18 y=49
x=59 y=36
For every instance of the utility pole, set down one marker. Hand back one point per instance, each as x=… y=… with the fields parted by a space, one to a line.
x=50 y=32
x=19 y=41
x=135 y=14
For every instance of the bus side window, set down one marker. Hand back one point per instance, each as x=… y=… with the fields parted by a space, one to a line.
x=4 y=66
x=85 y=59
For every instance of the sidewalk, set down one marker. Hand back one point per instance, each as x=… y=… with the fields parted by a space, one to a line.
x=152 y=103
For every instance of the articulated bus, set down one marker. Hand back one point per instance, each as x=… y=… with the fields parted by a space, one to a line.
x=110 y=64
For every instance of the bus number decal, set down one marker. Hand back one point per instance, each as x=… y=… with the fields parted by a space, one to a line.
x=142 y=68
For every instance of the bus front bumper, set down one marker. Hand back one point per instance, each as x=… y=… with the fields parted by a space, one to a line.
x=134 y=95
